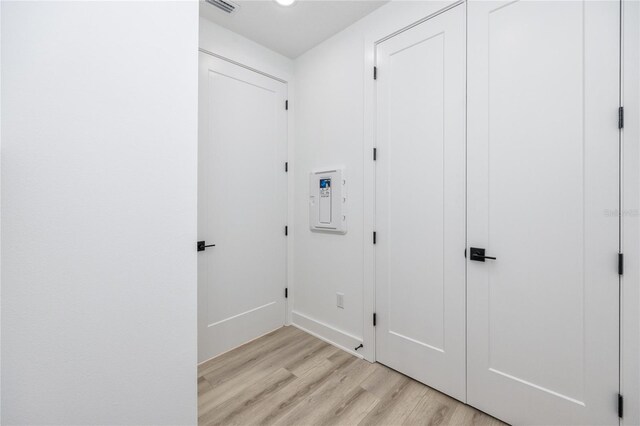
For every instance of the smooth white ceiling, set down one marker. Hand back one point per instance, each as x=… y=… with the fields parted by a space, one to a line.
x=290 y=30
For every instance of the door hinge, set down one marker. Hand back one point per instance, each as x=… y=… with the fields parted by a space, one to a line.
x=620 y=263
x=465 y=253
x=374 y=319
x=375 y=73
x=375 y=154
x=286 y=105
x=286 y=166
x=620 y=117
x=374 y=237
x=286 y=230
x=286 y=293
x=620 y=406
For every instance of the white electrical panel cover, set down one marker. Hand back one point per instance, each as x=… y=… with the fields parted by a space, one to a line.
x=327 y=200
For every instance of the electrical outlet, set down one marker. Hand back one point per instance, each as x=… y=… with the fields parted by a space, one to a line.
x=340 y=300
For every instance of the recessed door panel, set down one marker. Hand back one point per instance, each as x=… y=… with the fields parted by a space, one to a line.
x=420 y=172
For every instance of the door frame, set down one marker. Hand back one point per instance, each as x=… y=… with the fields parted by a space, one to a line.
x=630 y=217
x=629 y=189
x=288 y=303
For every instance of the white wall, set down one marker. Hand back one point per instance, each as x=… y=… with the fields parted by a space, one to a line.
x=99 y=156
x=330 y=131
x=235 y=47
x=329 y=134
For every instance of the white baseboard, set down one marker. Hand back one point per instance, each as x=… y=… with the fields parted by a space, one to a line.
x=331 y=335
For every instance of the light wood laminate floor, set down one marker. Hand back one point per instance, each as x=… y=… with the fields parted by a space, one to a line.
x=289 y=377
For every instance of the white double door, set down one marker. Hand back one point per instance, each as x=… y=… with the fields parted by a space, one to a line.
x=242 y=199
x=530 y=337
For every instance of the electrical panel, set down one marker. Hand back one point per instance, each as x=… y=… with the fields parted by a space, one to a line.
x=327 y=201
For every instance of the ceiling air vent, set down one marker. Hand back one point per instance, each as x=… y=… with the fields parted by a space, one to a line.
x=224 y=5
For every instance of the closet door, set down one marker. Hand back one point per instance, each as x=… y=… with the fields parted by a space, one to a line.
x=542 y=195
x=420 y=202
x=242 y=205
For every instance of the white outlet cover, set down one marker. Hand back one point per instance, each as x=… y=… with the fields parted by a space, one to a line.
x=340 y=300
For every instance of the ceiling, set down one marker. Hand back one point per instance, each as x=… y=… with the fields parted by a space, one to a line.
x=290 y=30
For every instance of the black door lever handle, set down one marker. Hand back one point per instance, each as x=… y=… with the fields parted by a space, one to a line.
x=477 y=254
x=201 y=245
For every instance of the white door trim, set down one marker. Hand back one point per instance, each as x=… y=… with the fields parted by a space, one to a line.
x=242 y=65
x=630 y=214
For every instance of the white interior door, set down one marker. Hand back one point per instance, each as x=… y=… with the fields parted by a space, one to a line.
x=542 y=177
x=242 y=203
x=420 y=202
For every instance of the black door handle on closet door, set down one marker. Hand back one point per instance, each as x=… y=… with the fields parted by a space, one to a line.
x=477 y=254
x=201 y=245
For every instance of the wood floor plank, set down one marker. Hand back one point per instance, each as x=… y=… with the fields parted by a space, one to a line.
x=263 y=359
x=290 y=396
x=302 y=365
x=434 y=408
x=236 y=355
x=290 y=378
x=396 y=405
x=244 y=356
x=382 y=380
x=203 y=386
x=466 y=415
x=331 y=406
x=278 y=404
x=329 y=399
x=354 y=407
x=225 y=414
x=226 y=385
